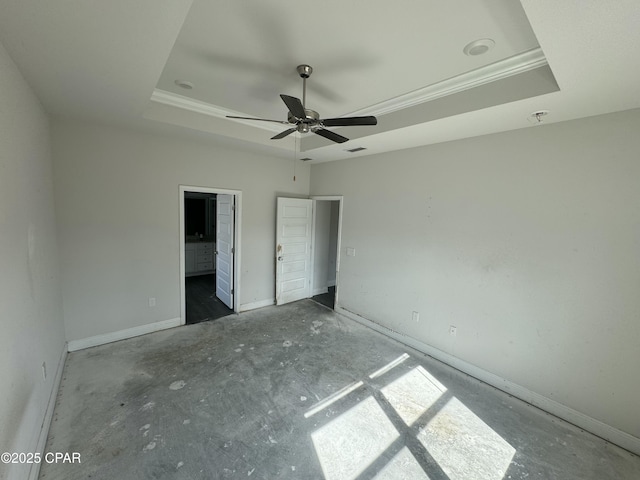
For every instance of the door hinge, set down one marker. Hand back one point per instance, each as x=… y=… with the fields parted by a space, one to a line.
x=233 y=250
x=232 y=291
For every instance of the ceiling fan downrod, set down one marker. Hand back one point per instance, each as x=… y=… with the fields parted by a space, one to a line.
x=305 y=72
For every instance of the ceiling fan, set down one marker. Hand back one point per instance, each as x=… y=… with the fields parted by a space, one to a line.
x=304 y=120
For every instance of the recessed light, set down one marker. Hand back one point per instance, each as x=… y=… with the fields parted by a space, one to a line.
x=184 y=84
x=478 y=47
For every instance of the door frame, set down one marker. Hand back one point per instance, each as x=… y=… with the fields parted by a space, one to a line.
x=329 y=198
x=236 y=244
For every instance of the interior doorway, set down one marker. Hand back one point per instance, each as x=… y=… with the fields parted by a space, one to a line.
x=327 y=213
x=308 y=233
x=209 y=228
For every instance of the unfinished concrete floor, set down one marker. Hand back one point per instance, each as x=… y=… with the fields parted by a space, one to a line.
x=300 y=392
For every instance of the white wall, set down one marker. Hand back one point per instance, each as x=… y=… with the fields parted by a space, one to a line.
x=30 y=299
x=117 y=198
x=527 y=241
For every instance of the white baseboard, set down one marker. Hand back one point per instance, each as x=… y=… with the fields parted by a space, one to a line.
x=48 y=415
x=602 y=430
x=319 y=291
x=245 y=307
x=122 y=334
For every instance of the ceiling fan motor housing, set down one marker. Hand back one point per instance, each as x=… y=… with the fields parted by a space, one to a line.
x=311 y=116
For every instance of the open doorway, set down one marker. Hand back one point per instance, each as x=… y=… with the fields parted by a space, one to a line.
x=209 y=257
x=307 y=252
x=327 y=226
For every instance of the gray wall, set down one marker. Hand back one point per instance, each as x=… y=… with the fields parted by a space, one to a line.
x=326 y=245
x=117 y=199
x=321 y=247
x=30 y=298
x=526 y=241
x=333 y=242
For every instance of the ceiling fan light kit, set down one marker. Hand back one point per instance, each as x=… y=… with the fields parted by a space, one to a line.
x=305 y=120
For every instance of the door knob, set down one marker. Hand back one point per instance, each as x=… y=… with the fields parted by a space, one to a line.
x=279 y=259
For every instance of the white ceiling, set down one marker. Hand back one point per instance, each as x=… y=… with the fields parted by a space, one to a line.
x=107 y=60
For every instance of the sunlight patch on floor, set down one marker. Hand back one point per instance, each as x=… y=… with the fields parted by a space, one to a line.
x=402 y=466
x=392 y=364
x=412 y=394
x=331 y=399
x=347 y=445
x=464 y=446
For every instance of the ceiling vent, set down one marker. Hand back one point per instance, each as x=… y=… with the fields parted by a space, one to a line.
x=307 y=159
x=354 y=150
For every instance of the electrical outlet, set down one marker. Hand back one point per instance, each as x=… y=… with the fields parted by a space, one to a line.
x=44 y=370
x=453 y=330
x=415 y=316
x=152 y=301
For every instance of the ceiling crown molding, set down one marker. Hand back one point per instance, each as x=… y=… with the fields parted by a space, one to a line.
x=514 y=65
x=523 y=62
x=186 y=103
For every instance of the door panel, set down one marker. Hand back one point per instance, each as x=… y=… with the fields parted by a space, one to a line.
x=293 y=249
x=224 y=248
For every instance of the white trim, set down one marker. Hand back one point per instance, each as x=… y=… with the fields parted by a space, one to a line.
x=602 y=430
x=34 y=471
x=122 y=334
x=236 y=244
x=186 y=103
x=508 y=67
x=245 y=307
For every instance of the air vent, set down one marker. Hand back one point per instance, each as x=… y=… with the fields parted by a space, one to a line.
x=307 y=159
x=354 y=150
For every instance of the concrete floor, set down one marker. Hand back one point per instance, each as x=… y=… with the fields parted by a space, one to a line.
x=300 y=392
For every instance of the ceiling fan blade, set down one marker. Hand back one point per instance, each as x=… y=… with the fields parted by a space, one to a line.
x=333 y=136
x=294 y=105
x=260 y=119
x=349 y=121
x=283 y=134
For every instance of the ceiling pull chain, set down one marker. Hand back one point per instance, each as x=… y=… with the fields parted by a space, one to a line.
x=295 y=148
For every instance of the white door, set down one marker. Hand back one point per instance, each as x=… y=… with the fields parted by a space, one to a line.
x=293 y=250
x=224 y=249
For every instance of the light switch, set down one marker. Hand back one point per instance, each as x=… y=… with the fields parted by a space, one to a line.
x=351 y=252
